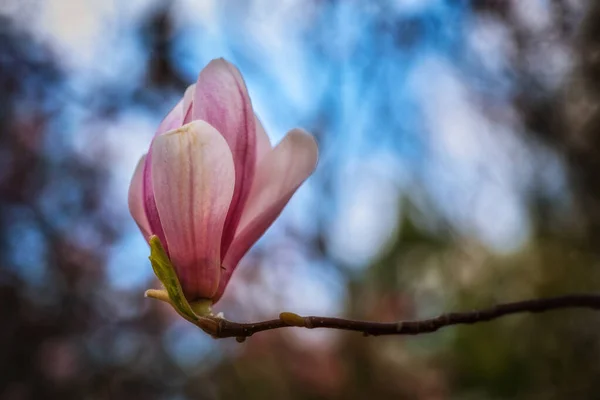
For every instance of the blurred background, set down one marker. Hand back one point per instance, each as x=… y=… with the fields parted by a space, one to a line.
x=460 y=167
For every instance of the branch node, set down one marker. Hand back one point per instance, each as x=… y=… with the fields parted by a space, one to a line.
x=399 y=327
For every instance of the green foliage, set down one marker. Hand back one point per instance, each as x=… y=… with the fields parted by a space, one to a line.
x=165 y=272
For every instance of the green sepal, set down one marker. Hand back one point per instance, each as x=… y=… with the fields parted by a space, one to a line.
x=165 y=272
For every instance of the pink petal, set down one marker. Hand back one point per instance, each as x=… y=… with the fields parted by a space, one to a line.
x=149 y=202
x=136 y=199
x=278 y=176
x=173 y=120
x=263 y=143
x=222 y=100
x=193 y=176
x=188 y=100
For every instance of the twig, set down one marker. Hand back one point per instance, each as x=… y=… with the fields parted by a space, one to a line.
x=224 y=328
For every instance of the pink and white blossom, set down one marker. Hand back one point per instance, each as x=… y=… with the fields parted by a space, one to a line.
x=211 y=183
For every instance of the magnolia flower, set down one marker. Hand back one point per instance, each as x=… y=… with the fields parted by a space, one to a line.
x=211 y=183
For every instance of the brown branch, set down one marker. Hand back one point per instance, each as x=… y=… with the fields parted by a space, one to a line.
x=224 y=328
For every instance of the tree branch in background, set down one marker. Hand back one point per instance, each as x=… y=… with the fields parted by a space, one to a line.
x=222 y=328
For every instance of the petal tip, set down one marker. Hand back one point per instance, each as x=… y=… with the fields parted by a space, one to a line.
x=303 y=140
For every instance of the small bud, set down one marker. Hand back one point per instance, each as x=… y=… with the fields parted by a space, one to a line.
x=292 y=319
